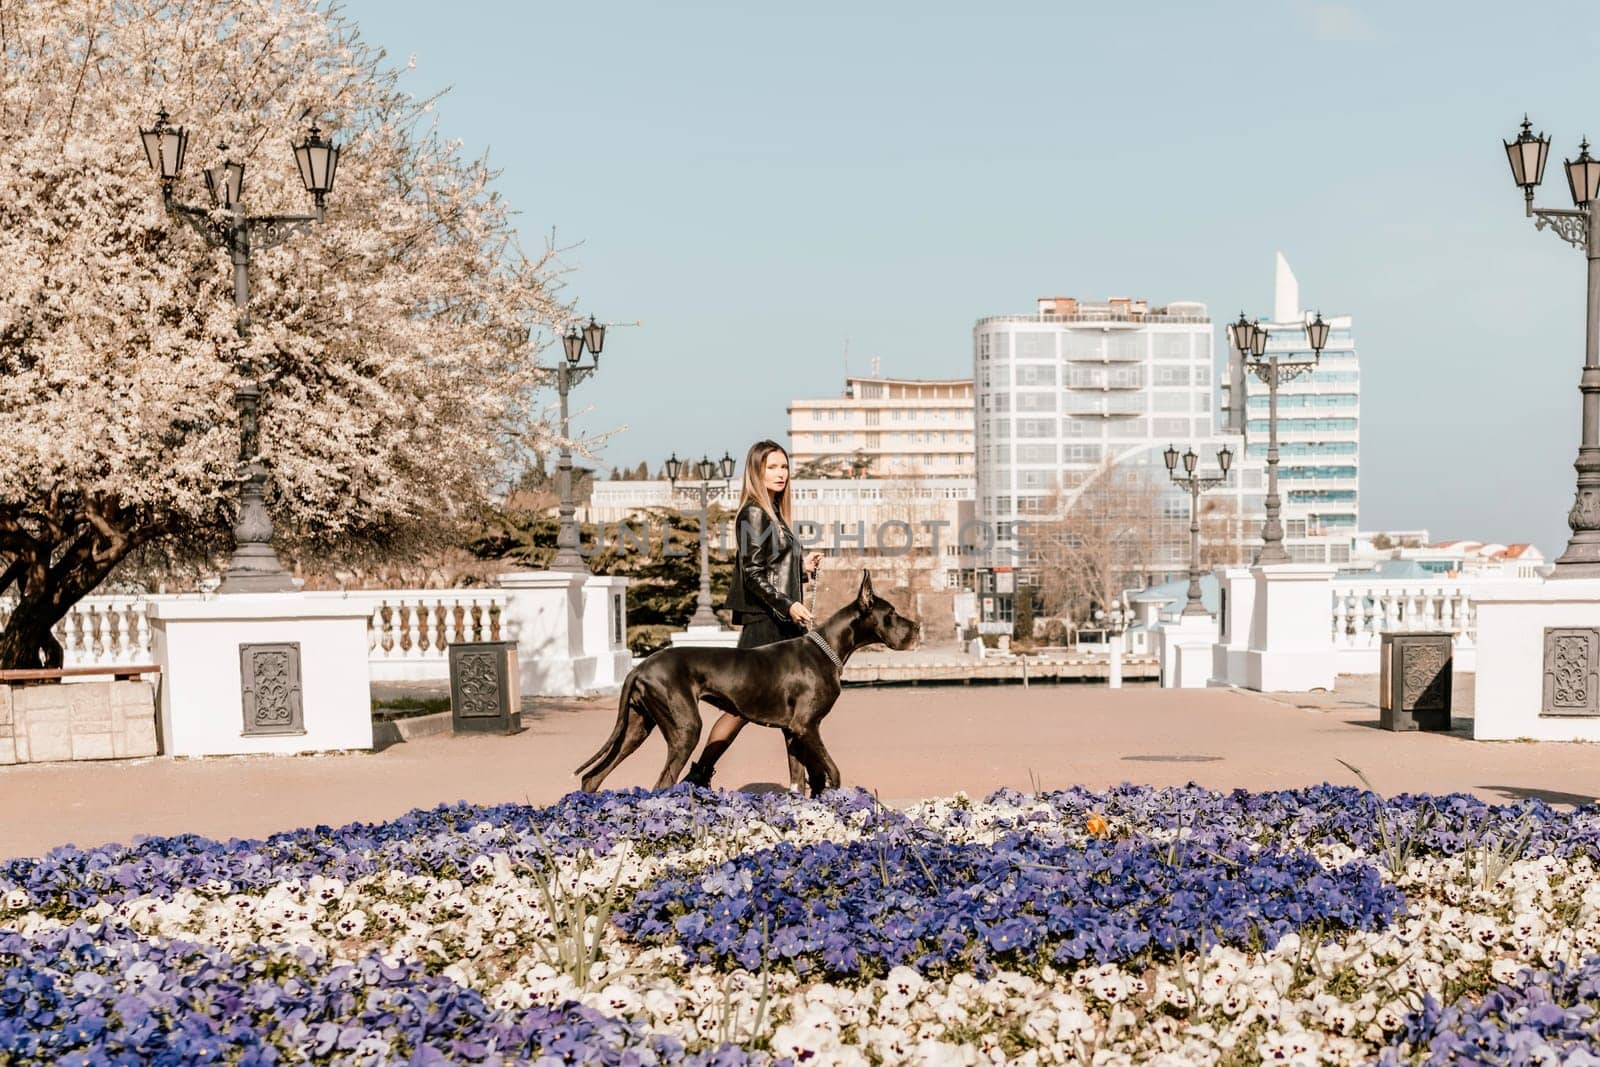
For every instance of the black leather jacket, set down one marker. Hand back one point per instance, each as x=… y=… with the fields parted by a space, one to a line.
x=766 y=570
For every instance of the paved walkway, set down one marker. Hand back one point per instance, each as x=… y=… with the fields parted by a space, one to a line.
x=904 y=742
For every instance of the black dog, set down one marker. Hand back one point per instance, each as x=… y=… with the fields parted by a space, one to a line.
x=790 y=684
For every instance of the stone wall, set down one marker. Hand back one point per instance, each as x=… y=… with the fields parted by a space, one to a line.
x=78 y=721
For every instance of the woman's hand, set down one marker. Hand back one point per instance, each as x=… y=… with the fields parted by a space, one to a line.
x=799 y=613
x=813 y=561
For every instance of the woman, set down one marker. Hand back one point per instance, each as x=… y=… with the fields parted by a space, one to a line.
x=765 y=597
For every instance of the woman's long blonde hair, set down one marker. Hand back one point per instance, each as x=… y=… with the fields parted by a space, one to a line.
x=754 y=490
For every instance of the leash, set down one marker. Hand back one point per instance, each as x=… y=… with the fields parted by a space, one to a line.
x=811 y=632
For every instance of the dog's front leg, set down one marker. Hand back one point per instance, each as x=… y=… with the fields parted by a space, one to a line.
x=824 y=773
x=799 y=776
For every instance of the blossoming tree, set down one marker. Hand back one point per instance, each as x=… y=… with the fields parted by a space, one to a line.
x=391 y=342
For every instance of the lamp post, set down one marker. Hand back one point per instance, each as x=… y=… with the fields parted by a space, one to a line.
x=569 y=372
x=707 y=470
x=1196 y=484
x=254 y=567
x=1115 y=623
x=1250 y=339
x=1580 y=228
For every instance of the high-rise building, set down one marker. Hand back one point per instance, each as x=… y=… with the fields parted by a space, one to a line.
x=1079 y=387
x=1319 y=427
x=886 y=427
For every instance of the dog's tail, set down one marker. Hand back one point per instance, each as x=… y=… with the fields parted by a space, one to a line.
x=624 y=708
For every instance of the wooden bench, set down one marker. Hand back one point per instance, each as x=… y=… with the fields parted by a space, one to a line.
x=120 y=672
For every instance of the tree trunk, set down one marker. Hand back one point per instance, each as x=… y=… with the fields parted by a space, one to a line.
x=27 y=642
x=50 y=576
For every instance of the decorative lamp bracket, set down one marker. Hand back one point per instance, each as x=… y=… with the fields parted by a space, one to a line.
x=1572 y=226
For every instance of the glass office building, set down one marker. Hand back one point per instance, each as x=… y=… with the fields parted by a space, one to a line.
x=1319 y=428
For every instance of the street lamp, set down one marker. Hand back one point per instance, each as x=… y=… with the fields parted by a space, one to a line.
x=1114 y=622
x=255 y=567
x=1250 y=339
x=1579 y=227
x=569 y=372
x=706 y=471
x=1196 y=484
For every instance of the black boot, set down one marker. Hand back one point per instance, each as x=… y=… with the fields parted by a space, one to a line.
x=700 y=773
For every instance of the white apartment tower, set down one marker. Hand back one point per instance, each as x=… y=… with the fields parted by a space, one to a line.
x=1079 y=385
x=1319 y=427
x=887 y=427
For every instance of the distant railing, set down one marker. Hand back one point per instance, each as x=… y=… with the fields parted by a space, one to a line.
x=1364 y=609
x=409 y=631
x=1152 y=318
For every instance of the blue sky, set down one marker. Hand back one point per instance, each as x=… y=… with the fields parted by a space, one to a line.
x=761 y=184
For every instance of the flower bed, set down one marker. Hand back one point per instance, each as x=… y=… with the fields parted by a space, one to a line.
x=1130 y=926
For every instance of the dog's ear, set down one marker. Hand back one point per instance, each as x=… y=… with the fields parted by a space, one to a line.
x=864 y=596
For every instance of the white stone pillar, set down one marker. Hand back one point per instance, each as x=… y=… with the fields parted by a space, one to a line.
x=605 y=629
x=310 y=694
x=1538 y=660
x=1291 y=641
x=544 y=616
x=1186 y=651
x=1238 y=592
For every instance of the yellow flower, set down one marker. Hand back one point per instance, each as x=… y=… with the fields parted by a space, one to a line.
x=1096 y=824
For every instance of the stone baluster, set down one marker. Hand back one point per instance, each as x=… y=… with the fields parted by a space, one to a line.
x=410 y=641
x=421 y=622
x=71 y=636
x=441 y=634
x=93 y=648
x=117 y=635
x=140 y=624
x=388 y=641
x=423 y=612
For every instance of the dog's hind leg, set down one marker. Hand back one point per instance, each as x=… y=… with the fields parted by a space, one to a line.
x=680 y=726
x=638 y=728
x=623 y=715
x=625 y=710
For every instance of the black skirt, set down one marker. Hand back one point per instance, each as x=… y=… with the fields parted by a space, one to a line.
x=759 y=629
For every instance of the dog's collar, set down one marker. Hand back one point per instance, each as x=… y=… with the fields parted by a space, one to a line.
x=823 y=644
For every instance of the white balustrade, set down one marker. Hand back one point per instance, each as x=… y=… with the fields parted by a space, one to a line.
x=408 y=630
x=1362 y=610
